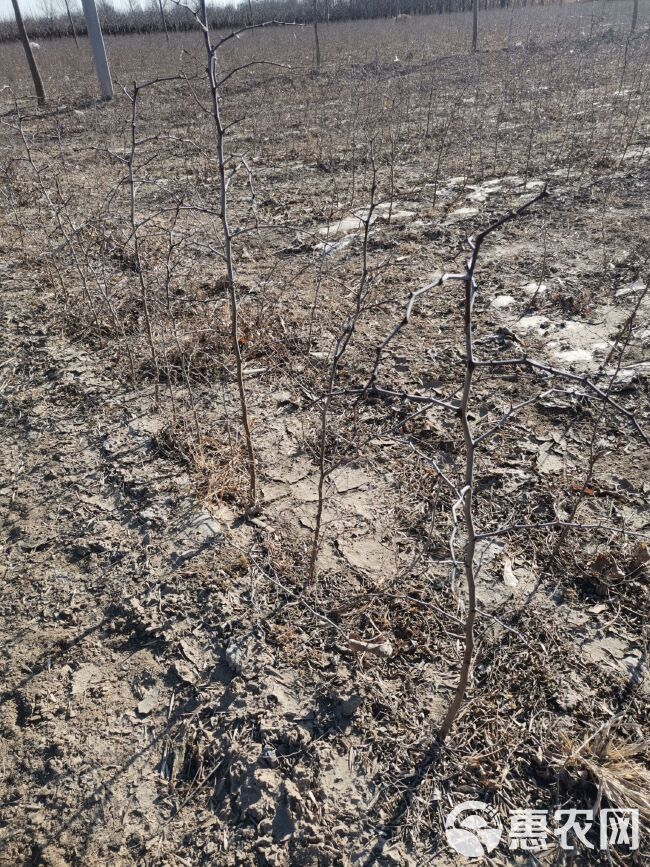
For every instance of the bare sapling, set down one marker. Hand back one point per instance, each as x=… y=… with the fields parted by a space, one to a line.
x=229 y=262
x=579 y=386
x=227 y=239
x=226 y=173
x=465 y=501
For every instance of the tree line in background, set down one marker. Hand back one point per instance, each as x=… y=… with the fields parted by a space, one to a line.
x=60 y=19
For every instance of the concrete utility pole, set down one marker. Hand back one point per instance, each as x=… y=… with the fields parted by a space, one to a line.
x=474 y=25
x=316 y=40
x=33 y=68
x=98 y=49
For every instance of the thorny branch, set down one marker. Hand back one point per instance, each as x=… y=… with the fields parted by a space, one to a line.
x=227 y=248
x=464 y=501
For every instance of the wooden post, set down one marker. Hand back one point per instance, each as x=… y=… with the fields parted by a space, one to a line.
x=474 y=24
x=98 y=49
x=33 y=68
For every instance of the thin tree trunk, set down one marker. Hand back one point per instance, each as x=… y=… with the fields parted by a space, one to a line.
x=163 y=19
x=635 y=14
x=144 y=293
x=33 y=68
x=467 y=494
x=71 y=20
x=228 y=254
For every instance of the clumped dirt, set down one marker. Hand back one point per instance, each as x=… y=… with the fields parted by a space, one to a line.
x=175 y=689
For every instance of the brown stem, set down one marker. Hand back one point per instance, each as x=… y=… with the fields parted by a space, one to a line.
x=468 y=489
x=144 y=293
x=341 y=345
x=228 y=252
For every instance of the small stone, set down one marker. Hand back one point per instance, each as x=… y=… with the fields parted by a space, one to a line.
x=206 y=526
x=502 y=301
x=269 y=756
x=235 y=657
x=149 y=701
x=86 y=676
x=185 y=672
x=351 y=706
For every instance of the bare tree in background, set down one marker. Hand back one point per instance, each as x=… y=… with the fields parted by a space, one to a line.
x=71 y=20
x=33 y=68
x=635 y=14
x=163 y=19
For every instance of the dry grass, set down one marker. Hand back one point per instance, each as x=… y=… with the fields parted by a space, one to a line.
x=619 y=770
